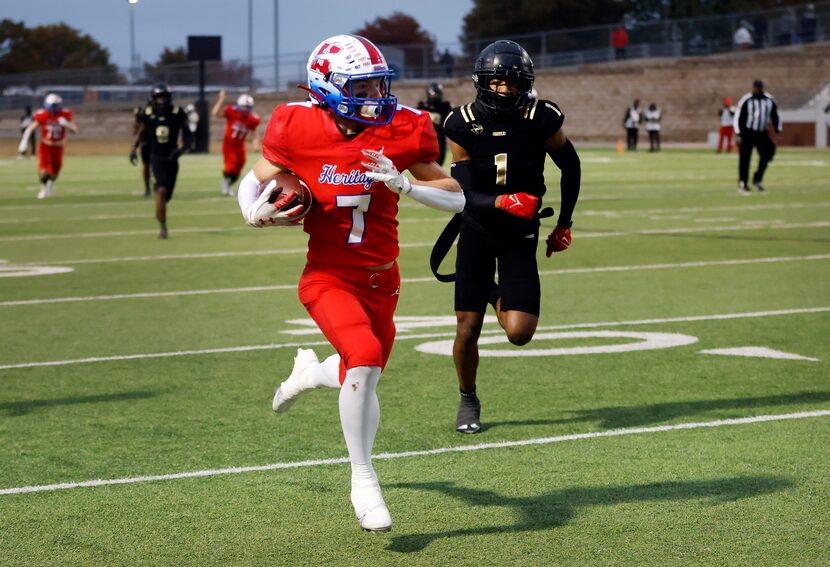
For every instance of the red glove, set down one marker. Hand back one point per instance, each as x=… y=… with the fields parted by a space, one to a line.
x=522 y=205
x=558 y=240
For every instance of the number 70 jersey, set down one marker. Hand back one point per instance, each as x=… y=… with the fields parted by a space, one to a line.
x=353 y=221
x=508 y=154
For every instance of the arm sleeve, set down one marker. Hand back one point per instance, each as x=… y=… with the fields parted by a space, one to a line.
x=435 y=198
x=462 y=171
x=567 y=160
x=246 y=194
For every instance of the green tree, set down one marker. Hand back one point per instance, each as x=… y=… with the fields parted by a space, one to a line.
x=49 y=48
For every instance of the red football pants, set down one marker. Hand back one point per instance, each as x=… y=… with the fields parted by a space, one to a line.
x=50 y=159
x=234 y=155
x=725 y=133
x=354 y=308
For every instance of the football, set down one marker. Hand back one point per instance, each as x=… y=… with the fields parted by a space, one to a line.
x=283 y=183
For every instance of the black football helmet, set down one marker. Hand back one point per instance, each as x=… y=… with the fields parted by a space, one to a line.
x=435 y=92
x=503 y=59
x=161 y=96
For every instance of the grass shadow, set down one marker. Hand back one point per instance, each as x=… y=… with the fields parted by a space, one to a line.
x=557 y=508
x=616 y=417
x=23 y=407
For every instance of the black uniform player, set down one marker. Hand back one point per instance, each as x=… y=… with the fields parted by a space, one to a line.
x=438 y=109
x=499 y=144
x=143 y=146
x=161 y=125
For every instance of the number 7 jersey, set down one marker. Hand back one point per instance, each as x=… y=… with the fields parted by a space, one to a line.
x=353 y=221
x=508 y=154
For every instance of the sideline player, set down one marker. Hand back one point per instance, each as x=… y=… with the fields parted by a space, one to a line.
x=25 y=120
x=54 y=121
x=143 y=147
x=162 y=122
x=438 y=109
x=350 y=285
x=241 y=121
x=726 y=114
x=499 y=143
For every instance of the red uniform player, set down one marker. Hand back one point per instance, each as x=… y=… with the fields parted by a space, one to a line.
x=54 y=121
x=348 y=143
x=242 y=121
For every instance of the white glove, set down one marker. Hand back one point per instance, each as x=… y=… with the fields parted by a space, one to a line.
x=265 y=211
x=382 y=169
x=63 y=121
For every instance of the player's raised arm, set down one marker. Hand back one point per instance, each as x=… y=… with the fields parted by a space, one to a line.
x=217 y=108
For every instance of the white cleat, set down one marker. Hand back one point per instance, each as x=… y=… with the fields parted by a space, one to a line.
x=42 y=194
x=371 y=510
x=297 y=383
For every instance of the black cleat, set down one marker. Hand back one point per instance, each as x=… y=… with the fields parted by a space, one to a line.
x=468 y=419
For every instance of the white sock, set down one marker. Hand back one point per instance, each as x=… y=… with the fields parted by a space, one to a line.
x=226 y=187
x=326 y=374
x=359 y=418
x=43 y=187
x=50 y=184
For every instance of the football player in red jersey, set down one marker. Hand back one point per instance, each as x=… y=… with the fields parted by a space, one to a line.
x=241 y=121
x=54 y=121
x=348 y=143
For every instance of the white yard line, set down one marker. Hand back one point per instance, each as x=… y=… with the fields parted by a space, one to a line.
x=759 y=225
x=402 y=336
x=423 y=453
x=418 y=280
x=755 y=225
x=643 y=212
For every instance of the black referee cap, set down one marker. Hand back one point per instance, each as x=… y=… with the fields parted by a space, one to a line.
x=758 y=83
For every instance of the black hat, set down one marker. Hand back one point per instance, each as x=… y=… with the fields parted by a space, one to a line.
x=758 y=83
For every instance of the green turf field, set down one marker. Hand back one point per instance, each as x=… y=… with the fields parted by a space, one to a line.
x=149 y=366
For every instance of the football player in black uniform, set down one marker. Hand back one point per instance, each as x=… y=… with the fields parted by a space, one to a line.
x=143 y=147
x=499 y=143
x=438 y=109
x=163 y=123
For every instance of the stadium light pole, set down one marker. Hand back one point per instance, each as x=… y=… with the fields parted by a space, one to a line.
x=251 y=45
x=132 y=4
x=276 y=45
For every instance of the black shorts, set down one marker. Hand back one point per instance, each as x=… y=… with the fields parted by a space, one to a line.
x=480 y=255
x=165 y=172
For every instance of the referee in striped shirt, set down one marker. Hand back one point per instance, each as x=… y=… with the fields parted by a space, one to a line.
x=756 y=111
